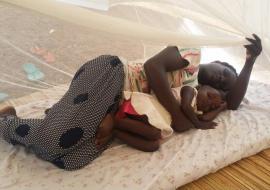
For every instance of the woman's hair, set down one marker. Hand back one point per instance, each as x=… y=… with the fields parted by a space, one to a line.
x=225 y=64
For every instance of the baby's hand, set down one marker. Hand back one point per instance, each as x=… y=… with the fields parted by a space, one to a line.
x=206 y=125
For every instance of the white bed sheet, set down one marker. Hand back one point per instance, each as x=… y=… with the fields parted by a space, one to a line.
x=182 y=159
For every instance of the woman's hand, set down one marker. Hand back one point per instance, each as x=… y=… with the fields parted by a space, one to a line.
x=254 y=49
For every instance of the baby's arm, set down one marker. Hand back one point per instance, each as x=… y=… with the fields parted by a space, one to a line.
x=187 y=94
x=211 y=115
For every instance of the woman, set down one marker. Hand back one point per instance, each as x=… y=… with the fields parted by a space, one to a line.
x=77 y=129
x=219 y=75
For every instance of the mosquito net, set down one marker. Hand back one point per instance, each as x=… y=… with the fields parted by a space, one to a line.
x=44 y=42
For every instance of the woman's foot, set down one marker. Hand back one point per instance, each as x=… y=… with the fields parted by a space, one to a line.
x=9 y=110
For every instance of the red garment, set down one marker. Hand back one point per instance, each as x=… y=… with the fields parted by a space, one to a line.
x=126 y=108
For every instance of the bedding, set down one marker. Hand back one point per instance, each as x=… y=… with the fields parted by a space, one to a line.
x=181 y=159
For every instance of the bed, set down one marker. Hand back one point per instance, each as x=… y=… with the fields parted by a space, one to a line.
x=181 y=159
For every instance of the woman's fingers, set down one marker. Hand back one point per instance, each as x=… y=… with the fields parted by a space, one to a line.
x=255 y=43
x=252 y=41
x=256 y=37
x=253 y=50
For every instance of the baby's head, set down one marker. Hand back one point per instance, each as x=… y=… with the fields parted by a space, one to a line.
x=208 y=98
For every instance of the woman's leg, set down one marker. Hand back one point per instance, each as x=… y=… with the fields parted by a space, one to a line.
x=74 y=121
x=83 y=154
x=19 y=131
x=79 y=157
x=136 y=141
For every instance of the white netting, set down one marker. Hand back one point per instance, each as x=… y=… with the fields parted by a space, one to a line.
x=43 y=42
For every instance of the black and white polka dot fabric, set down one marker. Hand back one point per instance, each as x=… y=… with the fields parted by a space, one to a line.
x=66 y=136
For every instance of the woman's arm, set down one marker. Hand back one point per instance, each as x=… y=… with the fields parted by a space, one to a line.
x=155 y=68
x=187 y=95
x=209 y=116
x=238 y=91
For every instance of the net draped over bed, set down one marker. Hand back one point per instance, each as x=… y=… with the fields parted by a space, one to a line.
x=44 y=42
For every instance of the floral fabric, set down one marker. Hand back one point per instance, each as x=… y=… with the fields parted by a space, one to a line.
x=136 y=78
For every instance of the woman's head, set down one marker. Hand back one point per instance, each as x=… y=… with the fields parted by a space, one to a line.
x=208 y=98
x=219 y=75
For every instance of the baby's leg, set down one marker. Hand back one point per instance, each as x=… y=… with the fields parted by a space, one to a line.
x=81 y=156
x=137 y=142
x=139 y=128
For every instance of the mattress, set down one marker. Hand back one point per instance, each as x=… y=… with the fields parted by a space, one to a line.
x=181 y=159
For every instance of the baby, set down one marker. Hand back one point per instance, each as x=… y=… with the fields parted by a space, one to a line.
x=201 y=105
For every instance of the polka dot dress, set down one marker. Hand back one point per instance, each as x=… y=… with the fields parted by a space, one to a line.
x=66 y=136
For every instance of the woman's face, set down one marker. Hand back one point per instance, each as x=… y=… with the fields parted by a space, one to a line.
x=216 y=75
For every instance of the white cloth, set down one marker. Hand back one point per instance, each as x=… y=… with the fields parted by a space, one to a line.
x=157 y=115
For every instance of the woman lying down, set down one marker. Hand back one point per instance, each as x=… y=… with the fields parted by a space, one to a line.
x=79 y=127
